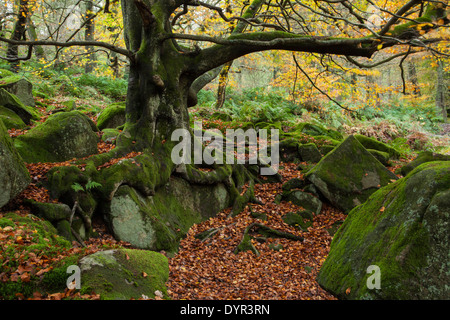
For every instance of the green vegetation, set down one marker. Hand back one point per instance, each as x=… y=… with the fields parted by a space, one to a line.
x=407 y=127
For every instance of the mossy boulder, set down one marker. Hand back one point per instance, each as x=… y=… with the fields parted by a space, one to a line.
x=423 y=157
x=124 y=274
x=288 y=148
x=52 y=212
x=309 y=152
x=13 y=103
x=294 y=183
x=11 y=119
x=5 y=73
x=403 y=230
x=316 y=130
x=14 y=176
x=112 y=117
x=304 y=200
x=158 y=222
x=349 y=174
x=381 y=156
x=297 y=220
x=63 y=136
x=110 y=135
x=18 y=86
x=373 y=144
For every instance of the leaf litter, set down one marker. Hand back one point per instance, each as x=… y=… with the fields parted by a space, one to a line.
x=202 y=269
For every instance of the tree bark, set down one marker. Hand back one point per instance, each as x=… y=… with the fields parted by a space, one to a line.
x=413 y=78
x=240 y=27
x=38 y=50
x=223 y=81
x=89 y=35
x=441 y=91
x=18 y=33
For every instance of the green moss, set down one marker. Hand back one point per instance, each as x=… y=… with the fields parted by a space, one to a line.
x=246 y=245
x=5 y=73
x=145 y=173
x=370 y=143
x=381 y=156
x=61 y=137
x=124 y=274
x=11 y=119
x=392 y=231
x=56 y=279
x=349 y=174
x=423 y=157
x=112 y=116
x=61 y=180
x=42 y=241
x=297 y=221
x=10 y=78
x=10 y=101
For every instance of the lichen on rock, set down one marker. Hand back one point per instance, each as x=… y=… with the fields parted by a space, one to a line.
x=124 y=274
x=403 y=230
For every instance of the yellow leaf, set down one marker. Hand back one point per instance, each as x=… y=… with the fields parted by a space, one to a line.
x=380 y=46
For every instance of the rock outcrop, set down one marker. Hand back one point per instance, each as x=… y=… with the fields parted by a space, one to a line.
x=400 y=235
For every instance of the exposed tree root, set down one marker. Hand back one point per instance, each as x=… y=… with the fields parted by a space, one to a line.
x=266 y=232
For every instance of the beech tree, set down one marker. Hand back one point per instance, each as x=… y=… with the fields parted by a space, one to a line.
x=165 y=74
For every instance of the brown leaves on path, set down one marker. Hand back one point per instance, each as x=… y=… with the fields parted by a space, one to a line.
x=210 y=269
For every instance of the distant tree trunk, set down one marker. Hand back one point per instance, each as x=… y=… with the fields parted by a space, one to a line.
x=38 y=50
x=413 y=78
x=89 y=36
x=223 y=80
x=114 y=57
x=223 y=76
x=441 y=91
x=18 y=33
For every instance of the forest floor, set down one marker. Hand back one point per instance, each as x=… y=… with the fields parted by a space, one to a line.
x=209 y=269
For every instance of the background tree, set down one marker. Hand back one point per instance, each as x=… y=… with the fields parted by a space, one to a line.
x=90 y=35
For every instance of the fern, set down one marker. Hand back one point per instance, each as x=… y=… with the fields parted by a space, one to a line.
x=92 y=185
x=77 y=187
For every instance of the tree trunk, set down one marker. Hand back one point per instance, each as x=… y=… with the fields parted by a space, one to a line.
x=18 y=33
x=413 y=78
x=240 y=27
x=89 y=36
x=440 y=91
x=38 y=50
x=223 y=81
x=157 y=92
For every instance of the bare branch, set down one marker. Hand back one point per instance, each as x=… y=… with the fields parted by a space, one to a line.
x=69 y=44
